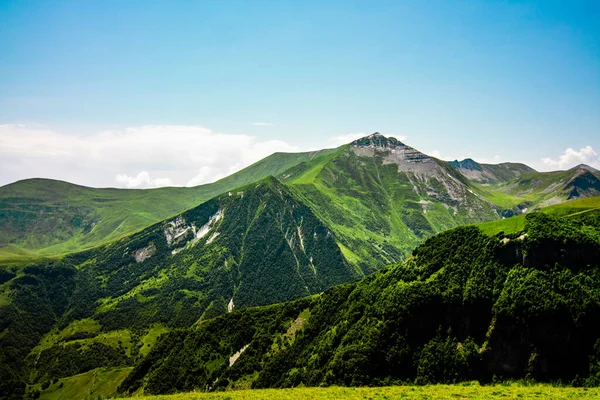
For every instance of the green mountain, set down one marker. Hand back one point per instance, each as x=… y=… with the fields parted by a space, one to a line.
x=332 y=217
x=100 y=312
x=258 y=245
x=382 y=198
x=374 y=191
x=539 y=189
x=466 y=306
x=43 y=217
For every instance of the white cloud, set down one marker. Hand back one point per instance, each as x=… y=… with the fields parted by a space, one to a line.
x=142 y=180
x=436 y=154
x=497 y=159
x=571 y=158
x=145 y=156
x=262 y=124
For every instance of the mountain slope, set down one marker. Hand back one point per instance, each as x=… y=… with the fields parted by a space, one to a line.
x=540 y=189
x=382 y=198
x=467 y=306
x=256 y=246
x=47 y=217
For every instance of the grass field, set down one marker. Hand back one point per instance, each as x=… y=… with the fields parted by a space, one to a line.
x=468 y=391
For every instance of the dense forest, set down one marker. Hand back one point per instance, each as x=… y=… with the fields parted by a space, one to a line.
x=466 y=306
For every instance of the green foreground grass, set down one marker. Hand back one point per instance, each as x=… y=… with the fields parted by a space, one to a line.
x=468 y=391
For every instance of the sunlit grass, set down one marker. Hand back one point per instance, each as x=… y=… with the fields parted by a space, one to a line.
x=468 y=391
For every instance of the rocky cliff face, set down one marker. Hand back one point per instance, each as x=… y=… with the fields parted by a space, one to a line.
x=431 y=178
x=392 y=151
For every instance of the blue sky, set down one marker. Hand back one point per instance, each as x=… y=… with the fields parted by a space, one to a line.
x=505 y=81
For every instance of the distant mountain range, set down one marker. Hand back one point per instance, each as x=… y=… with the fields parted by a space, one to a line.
x=375 y=189
x=91 y=277
x=43 y=217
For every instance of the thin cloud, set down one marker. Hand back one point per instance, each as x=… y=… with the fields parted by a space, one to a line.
x=570 y=158
x=339 y=140
x=262 y=124
x=140 y=157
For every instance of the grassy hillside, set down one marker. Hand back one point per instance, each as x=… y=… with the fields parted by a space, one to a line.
x=92 y=385
x=42 y=217
x=464 y=296
x=540 y=189
x=340 y=215
x=466 y=306
x=382 y=198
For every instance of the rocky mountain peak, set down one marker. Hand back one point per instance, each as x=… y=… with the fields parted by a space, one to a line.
x=377 y=140
x=467 y=163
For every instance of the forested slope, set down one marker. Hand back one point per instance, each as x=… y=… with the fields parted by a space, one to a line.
x=466 y=306
x=257 y=246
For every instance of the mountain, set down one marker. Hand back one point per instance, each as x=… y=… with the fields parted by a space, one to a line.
x=258 y=245
x=47 y=217
x=331 y=217
x=375 y=190
x=466 y=306
x=382 y=198
x=490 y=173
x=539 y=189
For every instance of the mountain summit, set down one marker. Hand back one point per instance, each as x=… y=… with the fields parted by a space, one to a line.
x=377 y=140
x=393 y=152
x=584 y=167
x=467 y=164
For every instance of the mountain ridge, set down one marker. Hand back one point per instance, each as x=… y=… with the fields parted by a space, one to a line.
x=467 y=306
x=43 y=217
x=39 y=219
x=329 y=219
